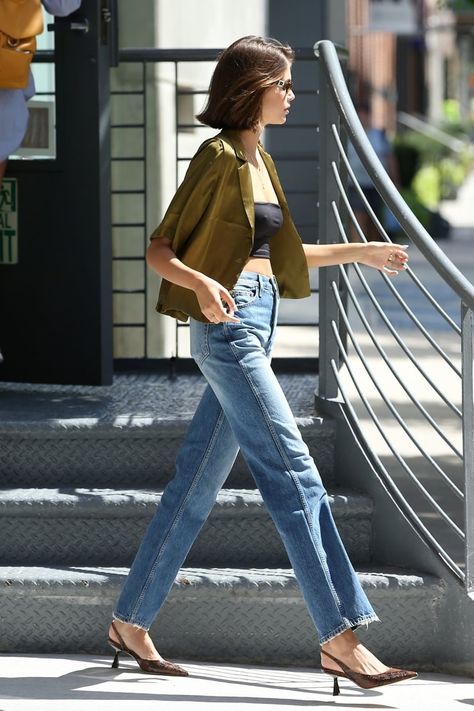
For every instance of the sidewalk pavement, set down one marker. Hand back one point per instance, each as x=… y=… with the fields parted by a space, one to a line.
x=73 y=683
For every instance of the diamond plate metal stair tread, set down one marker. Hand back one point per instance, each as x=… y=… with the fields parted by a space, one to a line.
x=104 y=527
x=57 y=580
x=139 y=456
x=155 y=400
x=251 y=615
x=113 y=503
x=124 y=439
x=126 y=433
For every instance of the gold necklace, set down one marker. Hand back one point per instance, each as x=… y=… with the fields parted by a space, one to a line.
x=258 y=170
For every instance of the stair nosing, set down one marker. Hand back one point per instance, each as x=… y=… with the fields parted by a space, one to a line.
x=381 y=578
x=138 y=425
x=71 y=502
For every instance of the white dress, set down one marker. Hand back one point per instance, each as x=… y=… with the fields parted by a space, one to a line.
x=13 y=109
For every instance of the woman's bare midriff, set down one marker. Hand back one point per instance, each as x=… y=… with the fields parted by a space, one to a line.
x=261 y=265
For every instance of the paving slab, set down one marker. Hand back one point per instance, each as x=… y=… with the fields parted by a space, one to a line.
x=73 y=683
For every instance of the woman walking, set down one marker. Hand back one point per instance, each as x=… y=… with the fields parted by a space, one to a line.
x=227 y=249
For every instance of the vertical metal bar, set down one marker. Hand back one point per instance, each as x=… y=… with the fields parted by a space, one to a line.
x=176 y=151
x=328 y=192
x=145 y=198
x=346 y=224
x=468 y=438
x=176 y=120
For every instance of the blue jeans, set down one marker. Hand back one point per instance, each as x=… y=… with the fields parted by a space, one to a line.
x=244 y=407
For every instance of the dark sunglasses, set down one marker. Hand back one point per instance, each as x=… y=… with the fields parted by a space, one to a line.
x=285 y=85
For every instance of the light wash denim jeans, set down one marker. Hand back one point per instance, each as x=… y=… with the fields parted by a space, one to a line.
x=244 y=406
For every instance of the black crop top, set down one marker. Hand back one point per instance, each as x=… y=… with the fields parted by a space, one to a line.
x=268 y=220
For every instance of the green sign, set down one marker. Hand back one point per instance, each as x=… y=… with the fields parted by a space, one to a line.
x=9 y=221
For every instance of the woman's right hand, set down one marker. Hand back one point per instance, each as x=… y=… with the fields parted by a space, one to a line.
x=215 y=301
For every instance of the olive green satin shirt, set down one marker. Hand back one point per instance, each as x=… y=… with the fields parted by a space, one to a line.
x=210 y=223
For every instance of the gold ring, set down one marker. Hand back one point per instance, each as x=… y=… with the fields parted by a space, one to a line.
x=390 y=257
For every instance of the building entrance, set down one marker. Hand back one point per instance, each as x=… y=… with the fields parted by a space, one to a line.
x=55 y=257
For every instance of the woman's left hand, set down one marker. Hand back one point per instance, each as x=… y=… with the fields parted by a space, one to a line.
x=386 y=256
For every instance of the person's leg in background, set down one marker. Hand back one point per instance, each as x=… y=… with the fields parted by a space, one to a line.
x=360 y=214
x=377 y=205
x=13 y=121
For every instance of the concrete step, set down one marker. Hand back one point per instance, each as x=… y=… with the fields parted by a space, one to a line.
x=126 y=434
x=105 y=526
x=228 y=614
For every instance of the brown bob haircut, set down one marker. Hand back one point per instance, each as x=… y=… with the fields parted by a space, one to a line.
x=242 y=74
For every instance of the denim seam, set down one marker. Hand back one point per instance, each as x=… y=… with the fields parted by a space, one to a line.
x=322 y=559
x=179 y=513
x=206 y=348
x=199 y=358
x=293 y=476
x=363 y=619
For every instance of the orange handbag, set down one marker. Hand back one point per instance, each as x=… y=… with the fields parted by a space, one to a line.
x=20 y=22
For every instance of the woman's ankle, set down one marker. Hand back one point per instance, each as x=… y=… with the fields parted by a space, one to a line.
x=129 y=628
x=344 y=642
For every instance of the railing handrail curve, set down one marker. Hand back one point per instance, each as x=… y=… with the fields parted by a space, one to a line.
x=324 y=49
x=415 y=123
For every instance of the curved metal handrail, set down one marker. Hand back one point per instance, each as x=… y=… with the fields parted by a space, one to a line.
x=325 y=50
x=456 y=145
x=439 y=520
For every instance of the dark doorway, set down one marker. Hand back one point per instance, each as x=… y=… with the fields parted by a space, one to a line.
x=56 y=314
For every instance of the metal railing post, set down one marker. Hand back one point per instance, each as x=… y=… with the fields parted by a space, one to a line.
x=468 y=437
x=328 y=194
